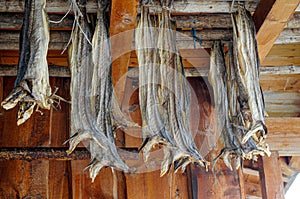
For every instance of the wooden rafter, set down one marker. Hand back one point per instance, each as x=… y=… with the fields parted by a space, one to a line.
x=270 y=18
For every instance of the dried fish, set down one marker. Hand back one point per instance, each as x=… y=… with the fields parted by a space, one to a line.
x=247 y=74
x=32 y=83
x=220 y=84
x=164 y=94
x=92 y=92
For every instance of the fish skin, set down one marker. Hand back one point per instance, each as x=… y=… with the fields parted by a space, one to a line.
x=91 y=92
x=164 y=94
x=152 y=123
x=247 y=73
x=219 y=82
x=32 y=83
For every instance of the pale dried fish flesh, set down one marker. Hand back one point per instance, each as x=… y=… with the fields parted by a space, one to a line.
x=91 y=92
x=247 y=74
x=218 y=81
x=32 y=84
x=164 y=94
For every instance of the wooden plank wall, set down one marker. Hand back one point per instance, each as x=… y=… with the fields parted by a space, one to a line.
x=35 y=179
x=65 y=179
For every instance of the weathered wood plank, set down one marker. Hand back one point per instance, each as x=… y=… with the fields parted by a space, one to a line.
x=151 y=185
x=55 y=37
x=13 y=21
x=288 y=36
x=295 y=162
x=122 y=24
x=285 y=50
x=270 y=21
x=192 y=6
x=42 y=133
x=23 y=179
x=281 y=61
x=287 y=171
x=9 y=40
x=82 y=186
x=271 y=177
x=221 y=184
x=282 y=104
x=54 y=71
x=286 y=76
x=283 y=135
x=280 y=82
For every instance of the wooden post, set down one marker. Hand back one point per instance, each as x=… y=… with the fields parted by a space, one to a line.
x=222 y=182
x=271 y=177
x=122 y=23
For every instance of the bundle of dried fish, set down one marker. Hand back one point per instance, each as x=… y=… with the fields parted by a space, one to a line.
x=219 y=83
x=164 y=94
x=32 y=83
x=92 y=92
x=247 y=74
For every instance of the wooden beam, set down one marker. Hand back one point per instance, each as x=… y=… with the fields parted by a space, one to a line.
x=54 y=71
x=287 y=171
x=266 y=72
x=9 y=40
x=13 y=21
x=284 y=135
x=285 y=50
x=271 y=177
x=64 y=71
x=270 y=21
x=191 y=6
x=281 y=61
x=122 y=24
x=295 y=163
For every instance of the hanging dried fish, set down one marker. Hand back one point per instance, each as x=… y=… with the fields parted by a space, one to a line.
x=247 y=74
x=152 y=123
x=164 y=94
x=32 y=83
x=92 y=91
x=219 y=83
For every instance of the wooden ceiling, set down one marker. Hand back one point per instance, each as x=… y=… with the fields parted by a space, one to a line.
x=278 y=35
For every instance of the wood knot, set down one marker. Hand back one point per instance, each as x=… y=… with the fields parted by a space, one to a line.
x=127 y=19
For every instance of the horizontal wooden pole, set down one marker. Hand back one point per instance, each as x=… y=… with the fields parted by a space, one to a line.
x=64 y=71
x=13 y=21
x=9 y=40
x=54 y=71
x=46 y=153
x=179 y=6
